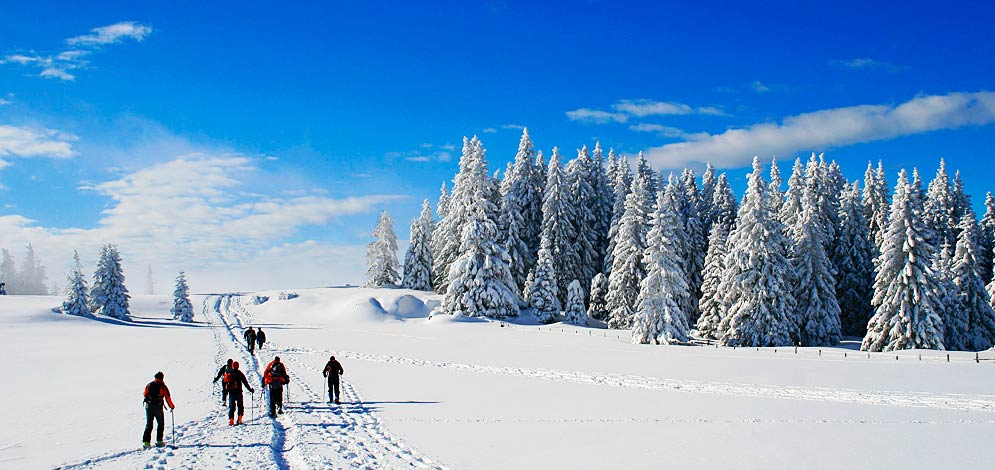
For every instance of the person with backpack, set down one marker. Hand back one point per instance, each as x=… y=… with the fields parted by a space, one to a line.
x=275 y=376
x=260 y=338
x=156 y=392
x=234 y=381
x=223 y=374
x=250 y=340
x=332 y=371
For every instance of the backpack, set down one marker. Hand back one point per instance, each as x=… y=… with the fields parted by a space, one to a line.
x=154 y=393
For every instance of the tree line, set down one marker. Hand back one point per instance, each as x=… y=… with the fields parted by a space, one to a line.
x=671 y=259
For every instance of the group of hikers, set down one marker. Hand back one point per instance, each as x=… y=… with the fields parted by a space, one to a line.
x=275 y=378
x=254 y=337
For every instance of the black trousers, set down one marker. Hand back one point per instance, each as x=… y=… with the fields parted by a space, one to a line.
x=333 y=385
x=251 y=344
x=275 y=397
x=154 y=412
x=235 y=401
x=224 y=393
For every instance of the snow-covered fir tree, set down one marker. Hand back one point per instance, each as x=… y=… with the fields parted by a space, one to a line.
x=792 y=207
x=724 y=203
x=521 y=211
x=697 y=242
x=527 y=291
x=776 y=193
x=659 y=317
x=443 y=205
x=602 y=206
x=108 y=295
x=621 y=183
x=706 y=209
x=479 y=282
x=31 y=277
x=182 y=308
x=627 y=269
x=574 y=312
x=986 y=239
x=149 y=283
x=757 y=292
x=972 y=298
x=382 y=267
x=960 y=204
x=583 y=198
x=558 y=231
x=76 y=293
x=418 y=258
x=543 y=292
x=833 y=183
x=954 y=319
x=938 y=209
x=906 y=290
x=597 y=303
x=853 y=260
x=711 y=303
x=817 y=313
x=447 y=236
x=877 y=203
x=8 y=273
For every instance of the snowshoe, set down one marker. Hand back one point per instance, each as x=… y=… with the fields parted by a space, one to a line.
x=160 y=444
x=146 y=445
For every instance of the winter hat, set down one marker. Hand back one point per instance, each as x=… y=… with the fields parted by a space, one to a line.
x=276 y=359
x=234 y=364
x=230 y=361
x=159 y=375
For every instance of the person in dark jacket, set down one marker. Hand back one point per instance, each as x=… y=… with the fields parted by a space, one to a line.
x=332 y=371
x=250 y=340
x=260 y=338
x=275 y=377
x=235 y=381
x=156 y=392
x=225 y=369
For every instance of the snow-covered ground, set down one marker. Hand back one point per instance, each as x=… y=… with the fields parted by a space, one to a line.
x=432 y=393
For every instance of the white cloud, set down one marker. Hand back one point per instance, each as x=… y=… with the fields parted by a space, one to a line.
x=867 y=63
x=759 y=87
x=513 y=126
x=59 y=65
x=820 y=130
x=624 y=110
x=489 y=130
x=596 y=116
x=111 y=34
x=34 y=142
x=665 y=131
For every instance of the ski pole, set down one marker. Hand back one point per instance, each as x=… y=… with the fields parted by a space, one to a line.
x=172 y=422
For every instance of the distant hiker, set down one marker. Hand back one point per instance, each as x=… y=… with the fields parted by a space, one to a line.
x=234 y=383
x=275 y=376
x=333 y=370
x=155 y=393
x=224 y=374
x=260 y=338
x=250 y=340
x=3 y=288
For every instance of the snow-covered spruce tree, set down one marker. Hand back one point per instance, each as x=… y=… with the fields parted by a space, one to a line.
x=443 y=205
x=521 y=211
x=938 y=210
x=382 y=267
x=182 y=308
x=833 y=183
x=527 y=291
x=583 y=199
x=574 y=312
x=877 y=203
x=954 y=319
x=480 y=282
x=659 y=318
x=627 y=269
x=972 y=298
x=149 y=283
x=853 y=260
x=76 y=297
x=603 y=205
x=31 y=277
x=543 y=292
x=711 y=303
x=757 y=291
x=906 y=297
x=724 y=203
x=418 y=258
x=108 y=295
x=792 y=207
x=986 y=240
x=558 y=235
x=776 y=193
x=620 y=184
x=817 y=313
x=8 y=273
x=675 y=194
x=697 y=243
x=706 y=209
x=446 y=238
x=960 y=204
x=645 y=172
x=597 y=303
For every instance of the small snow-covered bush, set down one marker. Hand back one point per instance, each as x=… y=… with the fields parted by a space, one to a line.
x=259 y=299
x=288 y=295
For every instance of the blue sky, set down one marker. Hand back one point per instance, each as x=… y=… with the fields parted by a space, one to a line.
x=252 y=143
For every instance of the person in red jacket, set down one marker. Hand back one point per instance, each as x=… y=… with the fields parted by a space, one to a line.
x=155 y=393
x=275 y=376
x=233 y=382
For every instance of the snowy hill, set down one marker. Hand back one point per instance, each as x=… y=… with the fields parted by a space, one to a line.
x=433 y=393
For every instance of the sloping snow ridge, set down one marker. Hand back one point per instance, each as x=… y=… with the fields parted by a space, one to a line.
x=468 y=393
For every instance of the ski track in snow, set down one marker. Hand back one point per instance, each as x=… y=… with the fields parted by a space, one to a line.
x=309 y=435
x=946 y=401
